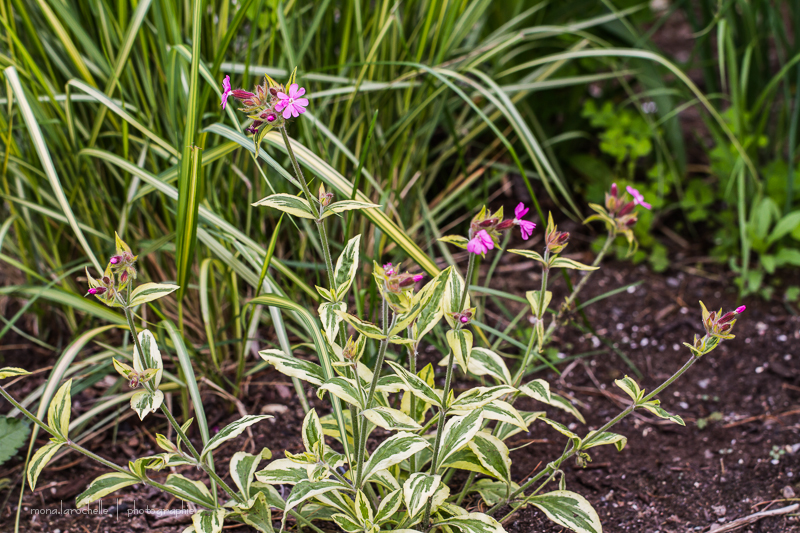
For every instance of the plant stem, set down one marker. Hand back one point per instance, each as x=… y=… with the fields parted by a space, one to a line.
x=412 y=400
x=299 y=174
x=569 y=453
x=467 y=280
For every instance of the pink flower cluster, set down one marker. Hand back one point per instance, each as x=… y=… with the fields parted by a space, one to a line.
x=269 y=102
x=484 y=230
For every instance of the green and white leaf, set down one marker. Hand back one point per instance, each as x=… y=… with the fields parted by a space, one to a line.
x=417 y=490
x=294 y=367
x=477 y=397
x=390 y=505
x=363 y=510
x=208 y=521
x=654 y=406
x=563 y=262
x=330 y=319
x=458 y=431
x=288 y=203
x=346 y=268
x=630 y=387
x=283 y=472
x=306 y=490
x=455 y=240
x=619 y=441
x=431 y=314
x=564 y=430
x=451 y=300
x=391 y=419
x=346 y=205
x=12 y=372
x=190 y=490
x=347 y=523
x=40 y=460
x=313 y=437
x=105 y=485
x=474 y=523
x=484 y=362
x=151 y=359
x=392 y=451
x=504 y=431
x=386 y=479
x=562 y=403
x=533 y=299
x=243 y=468
x=365 y=328
x=569 y=510
x=538 y=389
x=530 y=254
x=416 y=385
x=343 y=388
x=465 y=459
x=460 y=342
x=231 y=431
x=60 y=410
x=493 y=455
x=147 y=292
x=144 y=402
x=258 y=515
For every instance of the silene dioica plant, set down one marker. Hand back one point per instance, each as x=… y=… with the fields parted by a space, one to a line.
x=404 y=482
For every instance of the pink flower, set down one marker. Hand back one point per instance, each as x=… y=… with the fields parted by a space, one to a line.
x=480 y=243
x=292 y=105
x=388 y=269
x=226 y=91
x=418 y=278
x=740 y=309
x=525 y=227
x=638 y=199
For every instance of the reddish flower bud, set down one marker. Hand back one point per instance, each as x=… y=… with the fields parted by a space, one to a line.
x=630 y=222
x=106 y=280
x=272 y=117
x=241 y=94
x=464 y=319
x=253 y=129
x=418 y=277
x=123 y=278
x=115 y=260
x=98 y=291
x=488 y=223
x=740 y=309
x=504 y=225
x=727 y=317
x=614 y=190
x=627 y=208
x=563 y=238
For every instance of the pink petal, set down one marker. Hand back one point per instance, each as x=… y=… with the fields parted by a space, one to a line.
x=280 y=105
x=300 y=109
x=741 y=309
x=226 y=83
x=300 y=93
x=292 y=90
x=301 y=101
x=287 y=113
x=295 y=114
x=526 y=228
x=645 y=205
x=520 y=210
x=283 y=96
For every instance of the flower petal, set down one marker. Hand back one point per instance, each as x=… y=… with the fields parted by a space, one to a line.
x=520 y=211
x=287 y=112
x=292 y=90
x=283 y=96
x=299 y=93
x=301 y=101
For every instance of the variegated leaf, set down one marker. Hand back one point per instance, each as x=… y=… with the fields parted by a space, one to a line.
x=534 y=298
x=451 y=301
x=363 y=510
x=346 y=267
x=654 y=406
x=243 y=468
x=564 y=430
x=283 y=472
x=190 y=490
x=231 y=431
x=569 y=510
x=630 y=387
x=294 y=367
x=562 y=403
x=208 y=521
x=474 y=523
x=477 y=397
x=563 y=262
x=258 y=514
x=389 y=506
x=590 y=441
x=391 y=419
x=330 y=319
x=348 y=523
x=417 y=490
x=416 y=385
x=365 y=328
x=505 y=430
x=431 y=313
x=455 y=240
x=104 y=485
x=458 y=431
x=288 y=203
x=493 y=455
x=144 y=402
x=313 y=437
x=538 y=389
x=530 y=254
x=60 y=410
x=346 y=205
x=147 y=292
x=460 y=342
x=40 y=460
x=151 y=358
x=465 y=459
x=484 y=362
x=306 y=490
x=343 y=388
x=12 y=372
x=392 y=451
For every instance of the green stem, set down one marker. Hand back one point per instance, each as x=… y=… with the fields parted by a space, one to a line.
x=569 y=453
x=299 y=173
x=412 y=400
x=467 y=281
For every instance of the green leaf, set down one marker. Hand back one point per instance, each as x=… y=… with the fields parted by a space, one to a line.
x=460 y=342
x=284 y=472
x=13 y=434
x=604 y=438
x=11 y=371
x=474 y=523
x=363 y=510
x=493 y=455
x=147 y=292
x=208 y=521
x=288 y=203
x=391 y=419
x=293 y=367
x=504 y=431
x=484 y=362
x=390 y=505
x=306 y=490
x=346 y=267
x=343 y=388
x=533 y=299
x=563 y=262
x=530 y=254
x=392 y=451
x=458 y=431
x=365 y=328
x=346 y=205
x=431 y=314
x=104 y=485
x=455 y=240
x=190 y=490
x=465 y=459
x=329 y=315
x=40 y=460
x=151 y=359
x=569 y=510
x=231 y=431
x=500 y=411
x=538 y=389
x=313 y=437
x=784 y=226
x=60 y=410
x=144 y=402
x=630 y=387
x=417 y=490
x=654 y=406
x=564 y=430
x=477 y=397
x=258 y=515
x=243 y=468
x=451 y=301
x=416 y=385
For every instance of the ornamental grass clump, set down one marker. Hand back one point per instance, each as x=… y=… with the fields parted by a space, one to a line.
x=349 y=476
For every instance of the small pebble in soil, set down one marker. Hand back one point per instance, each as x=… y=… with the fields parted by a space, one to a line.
x=631 y=290
x=676 y=347
x=788 y=492
x=787 y=357
x=719 y=510
x=759 y=369
x=684 y=310
x=684 y=405
x=782 y=338
x=703 y=383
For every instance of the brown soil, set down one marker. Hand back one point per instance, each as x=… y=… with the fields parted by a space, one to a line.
x=668 y=478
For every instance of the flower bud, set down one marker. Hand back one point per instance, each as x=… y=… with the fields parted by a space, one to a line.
x=253 y=129
x=273 y=91
x=740 y=309
x=123 y=278
x=388 y=269
x=241 y=94
x=488 y=223
x=418 y=278
x=464 y=319
x=504 y=225
x=406 y=282
x=134 y=382
x=627 y=208
x=727 y=317
x=614 y=190
x=117 y=259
